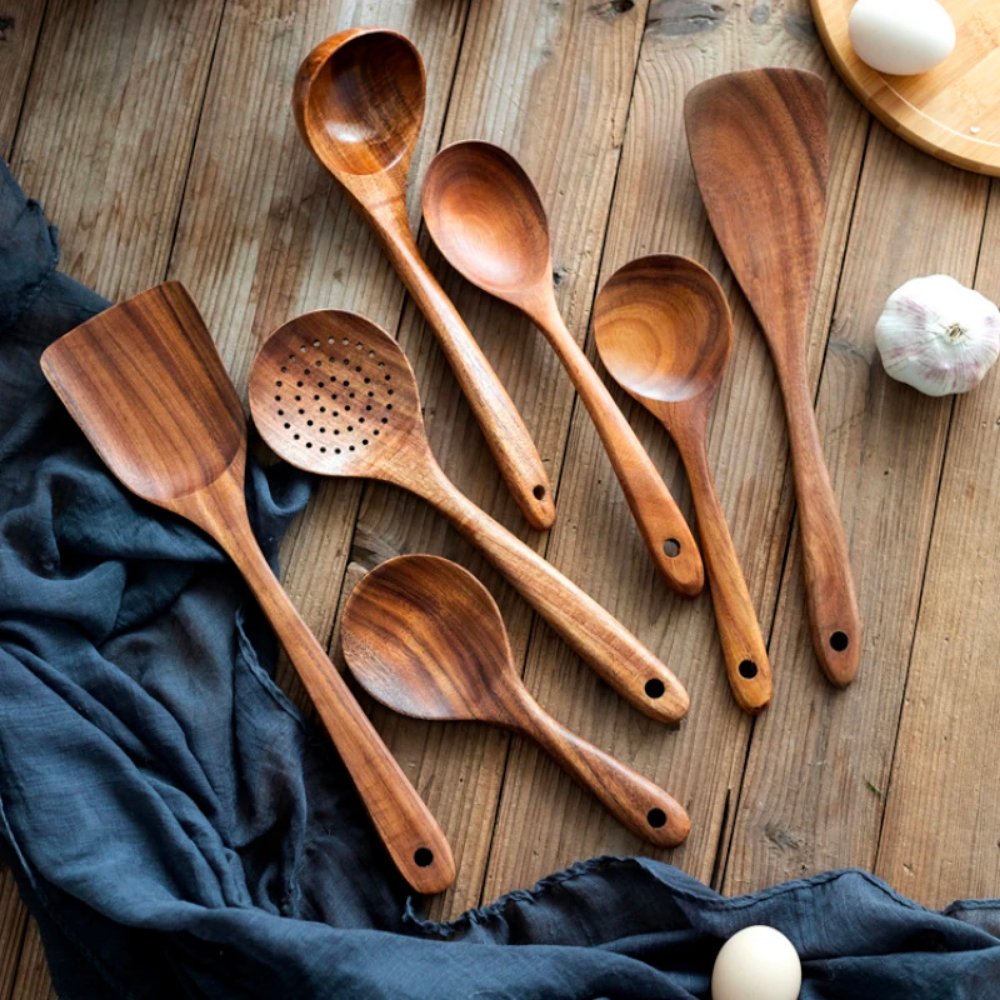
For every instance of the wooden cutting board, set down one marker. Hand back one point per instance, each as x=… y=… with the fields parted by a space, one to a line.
x=952 y=112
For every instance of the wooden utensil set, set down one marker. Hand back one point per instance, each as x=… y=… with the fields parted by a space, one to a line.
x=332 y=393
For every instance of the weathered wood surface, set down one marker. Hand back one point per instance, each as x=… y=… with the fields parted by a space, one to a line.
x=165 y=146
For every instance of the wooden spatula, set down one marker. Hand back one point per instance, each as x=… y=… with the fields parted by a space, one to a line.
x=760 y=151
x=147 y=386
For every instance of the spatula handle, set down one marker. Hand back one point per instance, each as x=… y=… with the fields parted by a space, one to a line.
x=834 y=618
x=747 y=664
x=662 y=526
x=404 y=823
x=647 y=810
x=614 y=653
x=508 y=438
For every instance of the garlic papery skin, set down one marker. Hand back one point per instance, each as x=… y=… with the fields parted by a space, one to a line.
x=938 y=336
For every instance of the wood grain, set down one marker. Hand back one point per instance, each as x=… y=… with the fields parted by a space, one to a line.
x=663 y=329
x=358 y=102
x=333 y=394
x=940 y=837
x=20 y=24
x=147 y=386
x=424 y=637
x=951 y=112
x=33 y=981
x=657 y=208
x=818 y=769
x=486 y=217
x=760 y=150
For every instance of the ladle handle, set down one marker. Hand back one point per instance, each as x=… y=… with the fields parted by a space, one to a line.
x=404 y=823
x=614 y=653
x=661 y=524
x=743 y=649
x=647 y=810
x=834 y=618
x=507 y=436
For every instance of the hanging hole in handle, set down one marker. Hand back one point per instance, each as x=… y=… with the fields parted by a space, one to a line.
x=656 y=818
x=671 y=548
x=655 y=688
x=839 y=642
x=748 y=669
x=538 y=492
x=423 y=857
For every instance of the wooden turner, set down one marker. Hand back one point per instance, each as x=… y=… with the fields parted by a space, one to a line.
x=147 y=386
x=760 y=152
x=424 y=636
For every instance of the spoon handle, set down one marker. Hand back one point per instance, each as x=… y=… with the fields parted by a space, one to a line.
x=647 y=810
x=614 y=653
x=834 y=618
x=404 y=823
x=743 y=648
x=666 y=534
x=508 y=438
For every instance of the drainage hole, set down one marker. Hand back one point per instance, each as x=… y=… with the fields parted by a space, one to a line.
x=655 y=688
x=671 y=548
x=839 y=641
x=748 y=669
x=656 y=818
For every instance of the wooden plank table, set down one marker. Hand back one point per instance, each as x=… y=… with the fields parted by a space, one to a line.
x=159 y=137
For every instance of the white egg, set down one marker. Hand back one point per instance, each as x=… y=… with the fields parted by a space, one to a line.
x=901 y=37
x=757 y=963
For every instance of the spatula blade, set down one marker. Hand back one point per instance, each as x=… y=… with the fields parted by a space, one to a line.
x=147 y=386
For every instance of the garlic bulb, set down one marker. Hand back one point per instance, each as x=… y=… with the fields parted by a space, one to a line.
x=938 y=336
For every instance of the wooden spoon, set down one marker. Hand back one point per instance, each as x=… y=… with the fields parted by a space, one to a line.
x=333 y=394
x=359 y=104
x=759 y=145
x=486 y=217
x=147 y=386
x=424 y=636
x=663 y=330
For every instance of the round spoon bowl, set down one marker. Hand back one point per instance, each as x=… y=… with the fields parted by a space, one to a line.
x=486 y=217
x=425 y=637
x=360 y=101
x=663 y=329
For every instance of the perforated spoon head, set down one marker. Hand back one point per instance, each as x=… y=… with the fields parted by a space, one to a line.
x=487 y=219
x=332 y=393
x=147 y=386
x=663 y=329
x=359 y=102
x=423 y=636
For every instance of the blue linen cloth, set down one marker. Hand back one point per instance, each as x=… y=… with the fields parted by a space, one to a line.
x=178 y=830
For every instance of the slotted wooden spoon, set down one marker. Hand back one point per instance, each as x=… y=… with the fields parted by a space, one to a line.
x=359 y=104
x=333 y=394
x=664 y=332
x=424 y=636
x=148 y=388
x=760 y=149
x=486 y=217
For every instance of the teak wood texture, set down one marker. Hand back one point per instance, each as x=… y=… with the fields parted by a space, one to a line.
x=148 y=388
x=485 y=216
x=158 y=136
x=333 y=394
x=424 y=637
x=664 y=332
x=359 y=104
x=951 y=112
x=760 y=153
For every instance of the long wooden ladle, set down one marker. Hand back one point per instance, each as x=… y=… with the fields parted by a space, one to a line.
x=359 y=104
x=333 y=394
x=423 y=636
x=147 y=386
x=760 y=148
x=664 y=332
x=486 y=217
